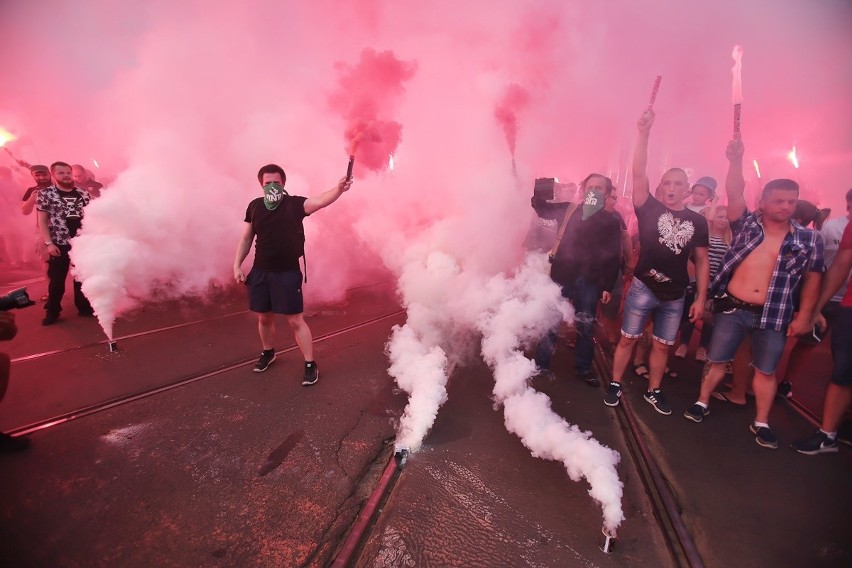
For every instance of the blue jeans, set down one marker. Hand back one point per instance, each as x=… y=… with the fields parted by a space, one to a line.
x=730 y=330
x=584 y=297
x=641 y=303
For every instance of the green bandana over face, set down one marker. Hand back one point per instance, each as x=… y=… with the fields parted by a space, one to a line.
x=593 y=202
x=273 y=194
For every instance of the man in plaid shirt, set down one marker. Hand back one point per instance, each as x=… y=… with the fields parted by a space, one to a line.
x=773 y=264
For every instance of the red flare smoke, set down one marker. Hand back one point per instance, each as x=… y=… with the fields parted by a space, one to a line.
x=367 y=98
x=514 y=100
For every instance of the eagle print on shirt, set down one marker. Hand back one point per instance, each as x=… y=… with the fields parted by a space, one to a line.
x=674 y=233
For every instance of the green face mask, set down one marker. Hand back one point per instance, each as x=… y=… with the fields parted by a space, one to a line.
x=273 y=194
x=592 y=203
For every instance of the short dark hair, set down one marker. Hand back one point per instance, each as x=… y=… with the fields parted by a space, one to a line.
x=607 y=182
x=849 y=195
x=55 y=165
x=783 y=184
x=271 y=169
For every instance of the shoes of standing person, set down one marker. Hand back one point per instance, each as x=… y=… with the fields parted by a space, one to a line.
x=819 y=443
x=613 y=394
x=589 y=378
x=86 y=313
x=764 y=437
x=545 y=374
x=844 y=433
x=680 y=352
x=50 y=319
x=9 y=444
x=785 y=389
x=701 y=355
x=266 y=359
x=311 y=374
x=656 y=399
x=696 y=413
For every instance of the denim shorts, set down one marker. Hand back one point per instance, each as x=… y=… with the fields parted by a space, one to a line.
x=277 y=292
x=640 y=304
x=729 y=331
x=841 y=339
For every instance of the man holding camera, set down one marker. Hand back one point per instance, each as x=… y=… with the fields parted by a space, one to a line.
x=275 y=280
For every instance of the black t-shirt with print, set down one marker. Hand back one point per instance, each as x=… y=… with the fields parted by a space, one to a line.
x=667 y=238
x=73 y=202
x=280 y=235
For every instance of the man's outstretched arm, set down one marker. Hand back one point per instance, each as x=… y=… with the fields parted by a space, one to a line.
x=641 y=185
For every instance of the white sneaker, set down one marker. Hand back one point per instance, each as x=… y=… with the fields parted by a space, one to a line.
x=680 y=352
x=701 y=355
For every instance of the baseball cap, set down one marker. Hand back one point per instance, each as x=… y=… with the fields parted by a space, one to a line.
x=39 y=168
x=707 y=182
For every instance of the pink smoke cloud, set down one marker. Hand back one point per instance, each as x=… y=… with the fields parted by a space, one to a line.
x=514 y=100
x=368 y=96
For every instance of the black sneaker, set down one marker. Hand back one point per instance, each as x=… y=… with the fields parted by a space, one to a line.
x=9 y=444
x=311 y=374
x=764 y=437
x=696 y=413
x=785 y=390
x=266 y=359
x=613 y=394
x=50 y=319
x=589 y=378
x=819 y=443
x=656 y=399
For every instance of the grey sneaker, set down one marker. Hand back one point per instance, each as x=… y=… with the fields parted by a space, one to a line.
x=819 y=443
x=266 y=359
x=656 y=399
x=696 y=413
x=764 y=437
x=311 y=374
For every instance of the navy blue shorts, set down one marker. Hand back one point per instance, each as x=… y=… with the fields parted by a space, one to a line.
x=841 y=339
x=277 y=292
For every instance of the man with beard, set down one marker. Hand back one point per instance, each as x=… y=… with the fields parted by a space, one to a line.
x=772 y=261
x=41 y=175
x=668 y=234
x=60 y=213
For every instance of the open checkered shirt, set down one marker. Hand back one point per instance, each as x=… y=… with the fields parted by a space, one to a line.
x=801 y=252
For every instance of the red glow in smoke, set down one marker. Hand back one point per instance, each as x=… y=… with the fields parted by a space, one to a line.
x=514 y=100
x=367 y=98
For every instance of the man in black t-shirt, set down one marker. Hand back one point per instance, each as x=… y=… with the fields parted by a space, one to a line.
x=41 y=175
x=668 y=234
x=275 y=280
x=60 y=216
x=85 y=180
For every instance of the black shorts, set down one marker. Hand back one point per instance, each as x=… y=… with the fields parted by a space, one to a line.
x=277 y=292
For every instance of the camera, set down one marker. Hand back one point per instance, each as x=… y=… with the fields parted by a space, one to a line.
x=15 y=299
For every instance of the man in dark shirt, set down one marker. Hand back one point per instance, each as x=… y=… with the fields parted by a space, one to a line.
x=60 y=216
x=84 y=179
x=585 y=259
x=41 y=175
x=668 y=234
x=275 y=280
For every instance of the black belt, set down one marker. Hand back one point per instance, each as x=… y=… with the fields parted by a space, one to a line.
x=726 y=303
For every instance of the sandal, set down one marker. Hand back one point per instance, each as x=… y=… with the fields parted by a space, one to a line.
x=640 y=370
x=670 y=374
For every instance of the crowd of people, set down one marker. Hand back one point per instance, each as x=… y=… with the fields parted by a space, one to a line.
x=751 y=282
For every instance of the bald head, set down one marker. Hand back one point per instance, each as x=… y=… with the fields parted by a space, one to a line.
x=79 y=174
